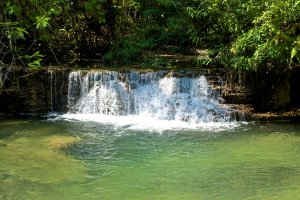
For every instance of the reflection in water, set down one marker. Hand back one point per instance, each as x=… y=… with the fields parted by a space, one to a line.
x=88 y=160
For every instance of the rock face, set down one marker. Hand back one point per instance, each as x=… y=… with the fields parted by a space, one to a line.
x=46 y=90
x=41 y=91
x=265 y=90
x=273 y=90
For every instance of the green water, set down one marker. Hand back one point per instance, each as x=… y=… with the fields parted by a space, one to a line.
x=45 y=159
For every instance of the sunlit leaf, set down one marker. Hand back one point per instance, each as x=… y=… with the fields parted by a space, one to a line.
x=42 y=22
x=294 y=52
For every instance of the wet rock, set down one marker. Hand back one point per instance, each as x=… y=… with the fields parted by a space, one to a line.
x=46 y=90
x=40 y=91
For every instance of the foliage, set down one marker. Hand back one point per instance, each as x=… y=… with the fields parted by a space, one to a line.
x=273 y=41
x=243 y=34
x=124 y=51
x=42 y=22
x=34 y=60
x=151 y=26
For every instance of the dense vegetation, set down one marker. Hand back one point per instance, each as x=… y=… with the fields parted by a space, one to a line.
x=243 y=34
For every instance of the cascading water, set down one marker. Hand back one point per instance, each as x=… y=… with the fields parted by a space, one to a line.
x=144 y=96
x=51 y=89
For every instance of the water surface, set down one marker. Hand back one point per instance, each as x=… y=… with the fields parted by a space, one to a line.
x=71 y=159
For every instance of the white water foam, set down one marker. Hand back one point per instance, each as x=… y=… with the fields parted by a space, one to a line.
x=133 y=122
x=152 y=100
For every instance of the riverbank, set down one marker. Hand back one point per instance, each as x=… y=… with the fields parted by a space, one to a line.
x=290 y=115
x=248 y=113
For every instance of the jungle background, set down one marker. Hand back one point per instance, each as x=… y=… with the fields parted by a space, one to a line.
x=239 y=34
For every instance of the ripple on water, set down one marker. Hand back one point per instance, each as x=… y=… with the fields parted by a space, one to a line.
x=76 y=159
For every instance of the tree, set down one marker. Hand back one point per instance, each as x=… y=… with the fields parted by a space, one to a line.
x=273 y=41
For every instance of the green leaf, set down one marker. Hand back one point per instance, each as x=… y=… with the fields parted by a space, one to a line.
x=35 y=64
x=12 y=10
x=37 y=55
x=20 y=32
x=294 y=52
x=42 y=22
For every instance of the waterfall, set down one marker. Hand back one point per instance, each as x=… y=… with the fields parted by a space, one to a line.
x=151 y=95
x=51 y=89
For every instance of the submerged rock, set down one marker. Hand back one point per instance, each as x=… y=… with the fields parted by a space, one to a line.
x=59 y=141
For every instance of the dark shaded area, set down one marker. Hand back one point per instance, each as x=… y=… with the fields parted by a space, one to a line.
x=295 y=88
x=273 y=90
x=265 y=90
x=41 y=91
